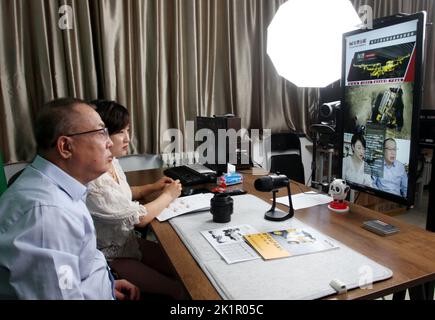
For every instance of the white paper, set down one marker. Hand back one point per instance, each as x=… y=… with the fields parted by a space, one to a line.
x=230 y=244
x=305 y=200
x=188 y=204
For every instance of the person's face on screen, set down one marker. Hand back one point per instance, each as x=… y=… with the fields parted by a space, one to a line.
x=358 y=150
x=120 y=141
x=390 y=152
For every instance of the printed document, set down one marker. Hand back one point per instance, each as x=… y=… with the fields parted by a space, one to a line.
x=230 y=244
x=189 y=204
x=305 y=200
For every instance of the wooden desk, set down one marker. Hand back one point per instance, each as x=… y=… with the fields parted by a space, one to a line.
x=410 y=254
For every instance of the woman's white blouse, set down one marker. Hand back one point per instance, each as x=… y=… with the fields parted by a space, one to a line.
x=115 y=215
x=354 y=173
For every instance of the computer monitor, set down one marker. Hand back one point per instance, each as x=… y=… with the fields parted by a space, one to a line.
x=381 y=98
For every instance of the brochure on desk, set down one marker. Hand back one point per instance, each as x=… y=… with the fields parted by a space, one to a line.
x=289 y=242
x=243 y=243
x=230 y=244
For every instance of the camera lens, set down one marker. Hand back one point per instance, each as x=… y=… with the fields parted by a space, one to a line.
x=221 y=207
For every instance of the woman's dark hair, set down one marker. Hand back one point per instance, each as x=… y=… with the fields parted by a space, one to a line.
x=357 y=137
x=114 y=115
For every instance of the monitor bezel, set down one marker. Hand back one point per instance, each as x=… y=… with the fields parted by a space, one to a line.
x=417 y=101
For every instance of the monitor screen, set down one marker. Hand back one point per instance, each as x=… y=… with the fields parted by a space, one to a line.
x=381 y=97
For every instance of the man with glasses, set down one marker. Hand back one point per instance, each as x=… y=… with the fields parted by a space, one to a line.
x=395 y=178
x=47 y=237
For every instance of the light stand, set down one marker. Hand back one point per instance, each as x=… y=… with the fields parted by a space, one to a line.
x=278 y=215
x=326 y=131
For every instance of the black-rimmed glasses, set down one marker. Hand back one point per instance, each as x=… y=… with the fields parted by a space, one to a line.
x=104 y=130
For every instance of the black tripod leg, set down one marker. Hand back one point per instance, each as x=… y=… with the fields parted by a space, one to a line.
x=399 y=296
x=429 y=289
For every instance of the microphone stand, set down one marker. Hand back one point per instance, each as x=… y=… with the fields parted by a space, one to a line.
x=278 y=215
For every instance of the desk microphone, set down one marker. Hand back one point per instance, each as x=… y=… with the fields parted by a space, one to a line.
x=271 y=184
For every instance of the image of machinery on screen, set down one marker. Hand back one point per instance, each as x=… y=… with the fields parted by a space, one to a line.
x=378 y=94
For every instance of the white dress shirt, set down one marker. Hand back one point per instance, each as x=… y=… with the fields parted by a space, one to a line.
x=47 y=239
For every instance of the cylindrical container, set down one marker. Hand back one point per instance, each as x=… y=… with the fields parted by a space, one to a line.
x=221 y=207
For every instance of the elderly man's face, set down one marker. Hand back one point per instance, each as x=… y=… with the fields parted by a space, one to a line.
x=390 y=152
x=91 y=151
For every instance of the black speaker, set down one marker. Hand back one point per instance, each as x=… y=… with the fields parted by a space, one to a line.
x=215 y=123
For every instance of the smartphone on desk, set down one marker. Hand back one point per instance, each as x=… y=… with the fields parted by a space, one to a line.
x=380 y=227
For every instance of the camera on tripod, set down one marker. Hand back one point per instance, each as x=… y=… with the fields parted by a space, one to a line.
x=326 y=130
x=328 y=113
x=325 y=137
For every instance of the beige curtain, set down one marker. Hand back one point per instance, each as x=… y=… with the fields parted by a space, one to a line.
x=38 y=62
x=166 y=60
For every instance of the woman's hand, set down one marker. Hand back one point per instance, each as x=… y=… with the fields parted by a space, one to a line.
x=125 y=290
x=140 y=192
x=160 y=184
x=173 y=189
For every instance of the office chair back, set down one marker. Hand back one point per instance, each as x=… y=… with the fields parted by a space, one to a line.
x=14 y=177
x=281 y=142
x=289 y=164
x=286 y=156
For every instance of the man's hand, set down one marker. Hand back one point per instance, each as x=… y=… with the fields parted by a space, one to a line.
x=160 y=184
x=125 y=290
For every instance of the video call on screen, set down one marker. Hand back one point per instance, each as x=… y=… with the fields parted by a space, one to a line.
x=378 y=98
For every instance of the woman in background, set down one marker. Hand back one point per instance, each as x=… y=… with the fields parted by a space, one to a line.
x=353 y=166
x=116 y=212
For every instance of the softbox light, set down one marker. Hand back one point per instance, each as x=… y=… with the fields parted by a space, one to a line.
x=304 y=40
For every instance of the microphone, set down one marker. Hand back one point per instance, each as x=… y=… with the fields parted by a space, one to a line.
x=270 y=183
x=273 y=183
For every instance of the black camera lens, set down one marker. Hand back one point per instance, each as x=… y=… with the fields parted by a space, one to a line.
x=221 y=207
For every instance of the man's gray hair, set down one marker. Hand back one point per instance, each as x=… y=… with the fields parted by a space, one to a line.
x=55 y=119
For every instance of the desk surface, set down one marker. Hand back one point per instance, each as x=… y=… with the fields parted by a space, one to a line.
x=410 y=254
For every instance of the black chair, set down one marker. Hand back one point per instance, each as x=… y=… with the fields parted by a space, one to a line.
x=14 y=177
x=285 y=141
x=289 y=164
x=286 y=156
